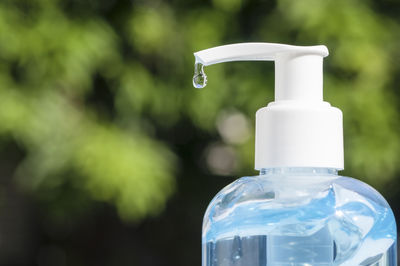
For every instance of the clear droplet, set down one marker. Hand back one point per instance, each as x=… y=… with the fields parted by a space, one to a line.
x=199 y=77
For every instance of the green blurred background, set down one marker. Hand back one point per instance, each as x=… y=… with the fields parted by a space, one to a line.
x=109 y=156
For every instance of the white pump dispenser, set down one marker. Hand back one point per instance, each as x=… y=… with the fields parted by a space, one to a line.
x=298 y=129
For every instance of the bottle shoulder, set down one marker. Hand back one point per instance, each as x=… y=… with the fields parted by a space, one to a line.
x=292 y=189
x=361 y=188
x=276 y=200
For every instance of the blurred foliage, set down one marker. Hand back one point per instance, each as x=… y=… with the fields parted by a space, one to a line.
x=89 y=89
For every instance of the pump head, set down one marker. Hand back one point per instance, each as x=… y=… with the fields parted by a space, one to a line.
x=298 y=129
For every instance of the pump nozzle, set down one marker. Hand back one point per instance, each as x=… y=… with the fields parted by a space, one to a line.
x=298 y=69
x=255 y=51
x=299 y=129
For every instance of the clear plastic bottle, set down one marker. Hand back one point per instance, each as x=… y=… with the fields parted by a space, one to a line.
x=298 y=211
x=298 y=217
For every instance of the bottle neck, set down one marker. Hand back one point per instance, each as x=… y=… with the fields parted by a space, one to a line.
x=299 y=171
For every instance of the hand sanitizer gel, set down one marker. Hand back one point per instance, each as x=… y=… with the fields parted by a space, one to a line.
x=298 y=211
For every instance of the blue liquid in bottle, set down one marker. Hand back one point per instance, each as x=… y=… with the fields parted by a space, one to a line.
x=298 y=217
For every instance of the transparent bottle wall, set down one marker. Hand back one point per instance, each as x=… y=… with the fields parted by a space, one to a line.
x=293 y=217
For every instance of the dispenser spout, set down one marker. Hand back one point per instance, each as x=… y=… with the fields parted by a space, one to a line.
x=254 y=51
x=298 y=69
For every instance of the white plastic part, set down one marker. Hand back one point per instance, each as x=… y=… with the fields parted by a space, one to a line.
x=299 y=129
